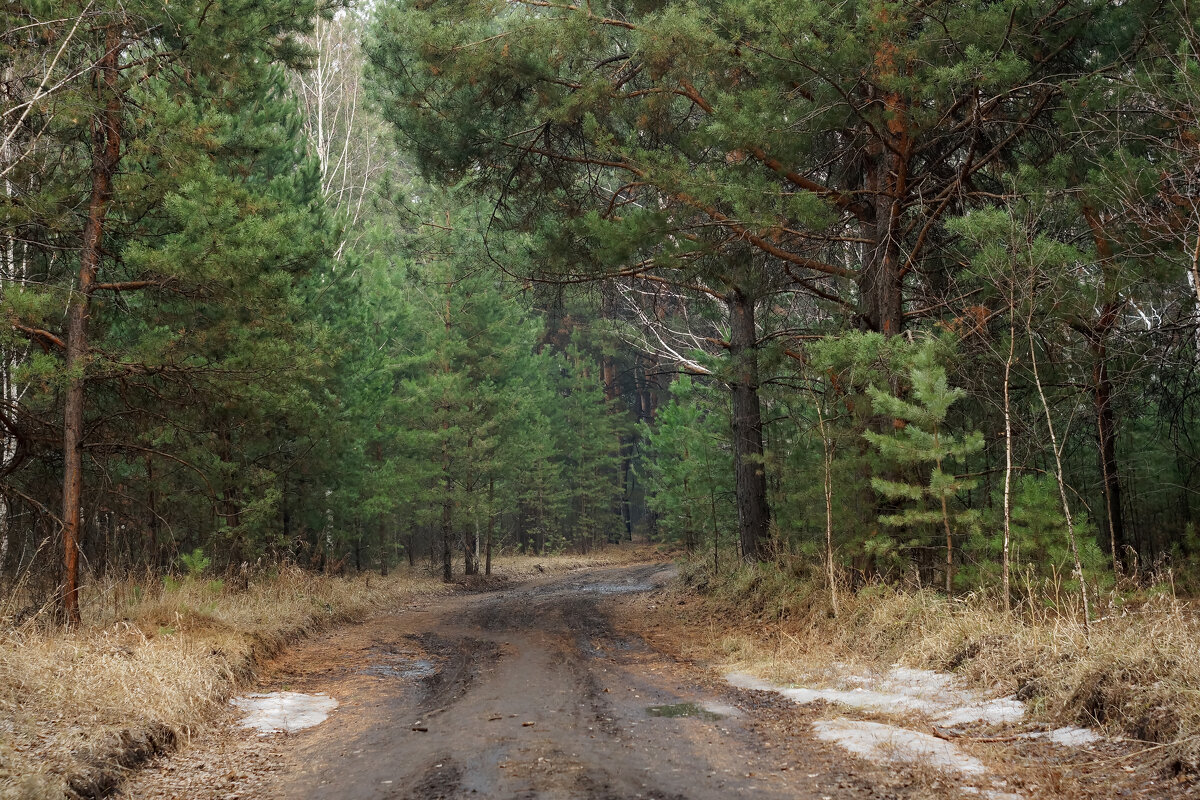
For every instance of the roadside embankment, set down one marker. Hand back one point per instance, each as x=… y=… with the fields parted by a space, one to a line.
x=157 y=656
x=1133 y=674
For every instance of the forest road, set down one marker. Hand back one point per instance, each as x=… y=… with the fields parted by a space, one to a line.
x=531 y=692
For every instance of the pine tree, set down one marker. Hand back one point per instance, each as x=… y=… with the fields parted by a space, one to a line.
x=688 y=474
x=166 y=186
x=922 y=441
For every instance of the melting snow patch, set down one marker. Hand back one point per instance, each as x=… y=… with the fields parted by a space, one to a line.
x=743 y=681
x=879 y=742
x=918 y=681
x=859 y=698
x=904 y=691
x=900 y=691
x=284 y=711
x=993 y=712
x=1069 y=736
x=991 y=794
x=1073 y=737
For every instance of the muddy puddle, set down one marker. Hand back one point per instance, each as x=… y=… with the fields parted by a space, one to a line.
x=402 y=663
x=707 y=710
x=409 y=669
x=618 y=588
x=676 y=710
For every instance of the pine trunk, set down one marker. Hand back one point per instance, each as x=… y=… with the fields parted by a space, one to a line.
x=447 y=523
x=1109 y=469
x=754 y=515
x=491 y=529
x=885 y=179
x=106 y=155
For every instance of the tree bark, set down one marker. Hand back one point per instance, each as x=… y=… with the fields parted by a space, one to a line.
x=106 y=155
x=471 y=549
x=880 y=283
x=447 y=523
x=357 y=547
x=1097 y=336
x=885 y=179
x=1106 y=427
x=491 y=529
x=626 y=491
x=447 y=501
x=754 y=514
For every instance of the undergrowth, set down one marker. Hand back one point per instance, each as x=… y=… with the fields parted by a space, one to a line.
x=1134 y=673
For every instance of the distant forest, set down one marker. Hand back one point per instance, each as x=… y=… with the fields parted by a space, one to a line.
x=885 y=290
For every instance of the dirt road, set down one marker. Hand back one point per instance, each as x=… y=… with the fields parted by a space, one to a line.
x=531 y=692
x=546 y=690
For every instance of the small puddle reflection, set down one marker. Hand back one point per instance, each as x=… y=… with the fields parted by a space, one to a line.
x=405 y=669
x=617 y=588
x=684 y=710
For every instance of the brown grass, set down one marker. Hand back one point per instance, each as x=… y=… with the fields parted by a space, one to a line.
x=1135 y=675
x=154 y=660
x=521 y=566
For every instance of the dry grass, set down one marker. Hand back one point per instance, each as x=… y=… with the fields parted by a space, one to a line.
x=1135 y=675
x=521 y=566
x=155 y=659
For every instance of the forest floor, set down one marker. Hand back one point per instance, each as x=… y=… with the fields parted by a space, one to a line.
x=584 y=685
x=157 y=660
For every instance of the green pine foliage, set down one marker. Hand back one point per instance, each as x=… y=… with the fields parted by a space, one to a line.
x=546 y=278
x=689 y=468
x=1040 y=548
x=926 y=490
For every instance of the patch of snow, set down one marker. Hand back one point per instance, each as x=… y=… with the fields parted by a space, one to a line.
x=993 y=712
x=878 y=742
x=939 y=696
x=284 y=711
x=741 y=680
x=859 y=698
x=1071 y=736
x=918 y=681
x=900 y=691
x=991 y=794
